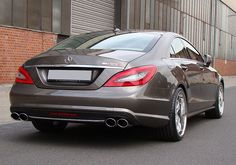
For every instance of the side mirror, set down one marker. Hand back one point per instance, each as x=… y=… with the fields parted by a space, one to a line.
x=207 y=60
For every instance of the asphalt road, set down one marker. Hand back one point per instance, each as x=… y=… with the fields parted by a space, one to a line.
x=207 y=142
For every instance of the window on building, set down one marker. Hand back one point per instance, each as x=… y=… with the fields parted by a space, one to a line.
x=5 y=12
x=19 y=13
x=34 y=14
x=204 y=31
x=56 y=14
x=45 y=15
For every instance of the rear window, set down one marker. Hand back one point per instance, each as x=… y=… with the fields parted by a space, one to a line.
x=126 y=41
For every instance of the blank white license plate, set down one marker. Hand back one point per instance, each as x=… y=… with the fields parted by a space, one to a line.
x=70 y=75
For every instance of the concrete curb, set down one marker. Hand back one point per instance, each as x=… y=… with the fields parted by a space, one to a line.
x=5 y=87
x=230 y=81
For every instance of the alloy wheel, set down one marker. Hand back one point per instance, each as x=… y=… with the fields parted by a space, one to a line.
x=221 y=101
x=180 y=114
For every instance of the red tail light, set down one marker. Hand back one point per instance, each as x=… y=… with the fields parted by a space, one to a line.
x=132 y=77
x=23 y=76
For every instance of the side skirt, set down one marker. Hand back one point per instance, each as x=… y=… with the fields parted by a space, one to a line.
x=200 y=111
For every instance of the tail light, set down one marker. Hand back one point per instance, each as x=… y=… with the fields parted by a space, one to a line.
x=23 y=76
x=132 y=77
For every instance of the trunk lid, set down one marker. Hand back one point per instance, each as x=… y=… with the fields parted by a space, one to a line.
x=77 y=69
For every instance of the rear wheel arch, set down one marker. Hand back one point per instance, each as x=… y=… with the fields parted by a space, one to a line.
x=223 y=83
x=170 y=131
x=217 y=112
x=184 y=89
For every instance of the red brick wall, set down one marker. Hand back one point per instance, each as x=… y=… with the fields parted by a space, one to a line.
x=227 y=68
x=17 y=45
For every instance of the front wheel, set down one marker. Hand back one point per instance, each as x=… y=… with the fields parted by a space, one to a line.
x=49 y=126
x=218 y=111
x=175 y=130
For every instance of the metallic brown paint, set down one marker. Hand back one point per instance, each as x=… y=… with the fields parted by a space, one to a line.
x=146 y=105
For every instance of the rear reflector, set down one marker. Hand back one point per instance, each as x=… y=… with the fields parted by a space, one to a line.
x=23 y=76
x=132 y=77
x=62 y=114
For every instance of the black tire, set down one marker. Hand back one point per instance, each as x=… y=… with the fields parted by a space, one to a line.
x=217 y=113
x=169 y=132
x=49 y=126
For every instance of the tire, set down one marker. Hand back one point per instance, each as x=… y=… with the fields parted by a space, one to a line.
x=49 y=126
x=218 y=111
x=176 y=127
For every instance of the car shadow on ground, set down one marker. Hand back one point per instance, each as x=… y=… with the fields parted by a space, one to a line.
x=99 y=136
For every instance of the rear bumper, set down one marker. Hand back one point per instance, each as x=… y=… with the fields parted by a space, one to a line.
x=90 y=114
x=90 y=106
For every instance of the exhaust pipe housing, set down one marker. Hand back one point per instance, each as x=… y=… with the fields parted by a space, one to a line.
x=123 y=123
x=24 y=117
x=110 y=122
x=15 y=116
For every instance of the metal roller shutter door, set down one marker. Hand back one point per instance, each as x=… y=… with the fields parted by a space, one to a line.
x=91 y=15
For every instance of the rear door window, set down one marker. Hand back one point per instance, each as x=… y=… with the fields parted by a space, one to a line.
x=172 y=53
x=179 y=49
x=193 y=53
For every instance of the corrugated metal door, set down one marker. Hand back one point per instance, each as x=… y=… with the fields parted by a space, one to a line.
x=91 y=15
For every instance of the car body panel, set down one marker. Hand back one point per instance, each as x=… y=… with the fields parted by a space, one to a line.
x=134 y=99
x=147 y=105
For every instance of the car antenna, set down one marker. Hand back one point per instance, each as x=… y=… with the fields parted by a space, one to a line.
x=115 y=29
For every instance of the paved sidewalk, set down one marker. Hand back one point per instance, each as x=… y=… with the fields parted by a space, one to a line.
x=5 y=103
x=230 y=81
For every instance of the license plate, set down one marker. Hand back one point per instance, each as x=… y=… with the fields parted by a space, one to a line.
x=70 y=75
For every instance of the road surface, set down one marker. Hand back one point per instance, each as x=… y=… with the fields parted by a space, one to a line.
x=207 y=142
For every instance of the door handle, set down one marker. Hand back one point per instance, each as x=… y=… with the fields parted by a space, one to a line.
x=184 y=67
x=202 y=68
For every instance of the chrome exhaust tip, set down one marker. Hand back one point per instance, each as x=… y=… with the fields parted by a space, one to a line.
x=24 y=117
x=15 y=116
x=123 y=123
x=110 y=122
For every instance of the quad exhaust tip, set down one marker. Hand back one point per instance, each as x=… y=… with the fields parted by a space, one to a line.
x=123 y=123
x=110 y=122
x=24 y=117
x=15 y=116
x=21 y=116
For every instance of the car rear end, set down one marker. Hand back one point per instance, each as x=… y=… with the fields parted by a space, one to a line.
x=91 y=86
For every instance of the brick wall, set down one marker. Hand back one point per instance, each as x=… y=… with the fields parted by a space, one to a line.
x=17 y=45
x=225 y=68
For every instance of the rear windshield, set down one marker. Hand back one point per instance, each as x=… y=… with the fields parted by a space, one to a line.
x=103 y=40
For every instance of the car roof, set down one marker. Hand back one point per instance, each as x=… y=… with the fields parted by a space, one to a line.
x=151 y=32
x=154 y=32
